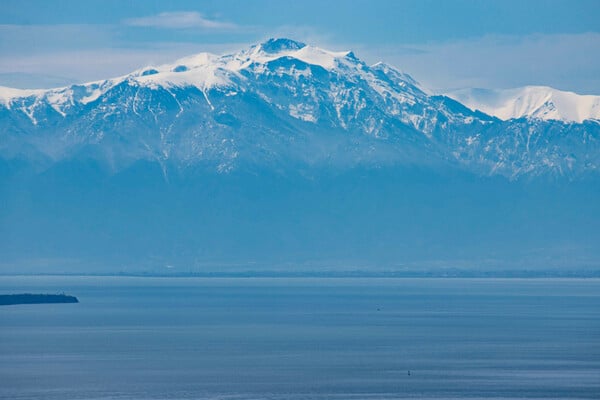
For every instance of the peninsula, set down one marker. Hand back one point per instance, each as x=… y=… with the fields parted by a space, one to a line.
x=28 y=298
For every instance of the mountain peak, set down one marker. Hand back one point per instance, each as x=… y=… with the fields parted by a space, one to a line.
x=277 y=45
x=536 y=102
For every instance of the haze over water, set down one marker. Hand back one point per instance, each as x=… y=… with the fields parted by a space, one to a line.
x=268 y=338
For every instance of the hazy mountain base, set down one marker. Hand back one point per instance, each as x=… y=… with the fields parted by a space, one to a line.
x=78 y=217
x=289 y=159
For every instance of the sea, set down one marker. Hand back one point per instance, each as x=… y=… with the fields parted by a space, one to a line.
x=301 y=338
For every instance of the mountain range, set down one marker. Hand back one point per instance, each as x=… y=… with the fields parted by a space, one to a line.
x=532 y=102
x=289 y=156
x=282 y=101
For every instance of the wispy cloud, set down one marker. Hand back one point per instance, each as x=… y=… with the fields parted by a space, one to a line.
x=180 y=20
x=42 y=38
x=564 y=61
x=32 y=55
x=69 y=66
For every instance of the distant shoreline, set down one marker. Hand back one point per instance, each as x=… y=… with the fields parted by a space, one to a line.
x=448 y=274
x=29 y=298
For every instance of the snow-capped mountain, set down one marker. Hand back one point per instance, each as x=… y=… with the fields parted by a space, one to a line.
x=281 y=63
x=281 y=103
x=536 y=102
x=285 y=153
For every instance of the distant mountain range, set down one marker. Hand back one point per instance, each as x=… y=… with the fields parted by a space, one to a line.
x=287 y=157
x=282 y=102
x=532 y=102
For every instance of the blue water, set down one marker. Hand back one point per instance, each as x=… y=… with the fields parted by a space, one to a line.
x=267 y=338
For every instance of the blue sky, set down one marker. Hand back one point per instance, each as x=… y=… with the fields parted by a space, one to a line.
x=444 y=44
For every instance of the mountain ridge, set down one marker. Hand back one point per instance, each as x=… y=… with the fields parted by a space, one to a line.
x=297 y=160
x=283 y=101
x=536 y=102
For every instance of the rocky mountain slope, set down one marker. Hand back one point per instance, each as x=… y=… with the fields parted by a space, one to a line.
x=282 y=104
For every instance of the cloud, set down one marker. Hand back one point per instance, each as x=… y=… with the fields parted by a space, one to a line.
x=69 y=66
x=180 y=20
x=36 y=55
x=564 y=61
x=40 y=38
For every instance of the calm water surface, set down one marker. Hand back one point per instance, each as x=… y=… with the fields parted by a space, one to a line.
x=267 y=338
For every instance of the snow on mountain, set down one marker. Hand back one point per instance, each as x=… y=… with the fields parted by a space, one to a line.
x=275 y=57
x=203 y=71
x=537 y=102
x=7 y=94
x=285 y=102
